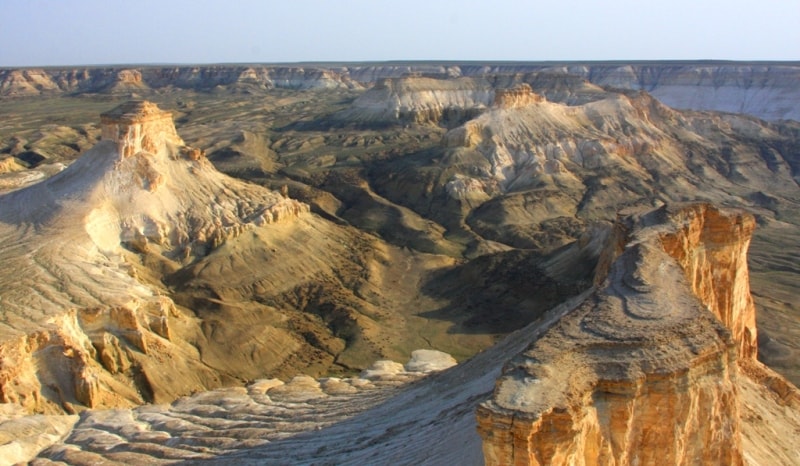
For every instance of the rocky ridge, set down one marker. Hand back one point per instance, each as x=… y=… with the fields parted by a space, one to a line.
x=647 y=369
x=213 y=424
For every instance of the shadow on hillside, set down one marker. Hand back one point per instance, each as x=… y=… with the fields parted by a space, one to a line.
x=502 y=292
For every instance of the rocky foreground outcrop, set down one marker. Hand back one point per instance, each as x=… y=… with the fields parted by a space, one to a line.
x=647 y=370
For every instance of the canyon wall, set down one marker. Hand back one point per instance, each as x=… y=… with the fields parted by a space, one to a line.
x=641 y=372
x=711 y=248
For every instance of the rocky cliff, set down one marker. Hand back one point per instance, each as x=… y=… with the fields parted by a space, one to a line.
x=519 y=96
x=711 y=248
x=420 y=99
x=645 y=371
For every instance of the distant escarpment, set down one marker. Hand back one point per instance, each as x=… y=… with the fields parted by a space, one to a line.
x=765 y=90
x=49 y=81
x=418 y=99
x=644 y=371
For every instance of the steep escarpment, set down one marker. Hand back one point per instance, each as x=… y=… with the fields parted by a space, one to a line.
x=645 y=370
x=419 y=99
x=763 y=90
x=711 y=248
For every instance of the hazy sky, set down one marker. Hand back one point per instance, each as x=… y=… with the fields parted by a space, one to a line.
x=64 y=32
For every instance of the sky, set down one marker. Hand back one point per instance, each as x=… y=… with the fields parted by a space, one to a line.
x=89 y=32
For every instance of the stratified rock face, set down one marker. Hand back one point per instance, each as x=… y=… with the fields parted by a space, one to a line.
x=420 y=99
x=767 y=91
x=138 y=126
x=711 y=247
x=518 y=96
x=640 y=373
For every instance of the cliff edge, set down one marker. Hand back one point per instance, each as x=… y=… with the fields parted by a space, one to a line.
x=649 y=369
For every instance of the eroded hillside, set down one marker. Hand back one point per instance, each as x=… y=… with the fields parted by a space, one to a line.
x=357 y=224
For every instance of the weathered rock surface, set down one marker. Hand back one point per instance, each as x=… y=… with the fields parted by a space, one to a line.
x=518 y=96
x=645 y=370
x=215 y=424
x=711 y=248
x=80 y=328
x=419 y=99
x=22 y=436
x=637 y=370
x=114 y=80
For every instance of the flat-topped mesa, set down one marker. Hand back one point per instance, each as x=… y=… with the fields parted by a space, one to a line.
x=520 y=95
x=645 y=370
x=139 y=126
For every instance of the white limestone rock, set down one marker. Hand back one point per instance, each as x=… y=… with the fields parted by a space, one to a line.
x=424 y=360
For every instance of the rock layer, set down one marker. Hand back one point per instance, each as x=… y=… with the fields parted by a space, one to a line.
x=420 y=99
x=517 y=96
x=642 y=372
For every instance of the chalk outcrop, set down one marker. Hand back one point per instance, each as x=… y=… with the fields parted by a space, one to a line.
x=420 y=99
x=711 y=248
x=645 y=371
x=139 y=126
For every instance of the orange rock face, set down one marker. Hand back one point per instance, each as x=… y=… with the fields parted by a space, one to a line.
x=518 y=96
x=712 y=250
x=139 y=126
x=641 y=372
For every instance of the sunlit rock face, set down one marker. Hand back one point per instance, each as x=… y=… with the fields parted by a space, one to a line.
x=138 y=126
x=518 y=96
x=711 y=248
x=420 y=99
x=642 y=372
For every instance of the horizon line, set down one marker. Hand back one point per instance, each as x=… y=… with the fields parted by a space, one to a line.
x=448 y=62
